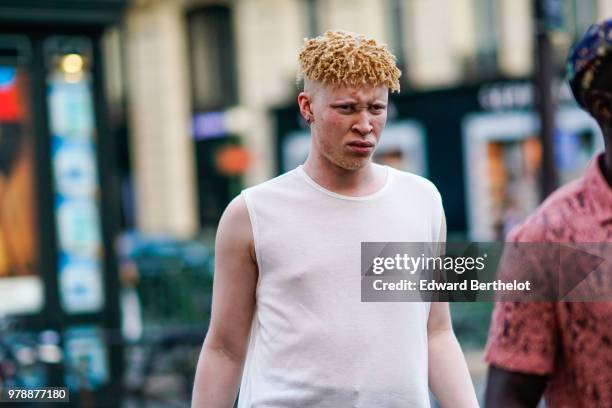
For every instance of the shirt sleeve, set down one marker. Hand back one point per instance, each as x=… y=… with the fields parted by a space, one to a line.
x=523 y=336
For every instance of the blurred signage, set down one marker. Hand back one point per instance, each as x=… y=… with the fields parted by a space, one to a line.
x=78 y=224
x=21 y=288
x=73 y=155
x=517 y=95
x=79 y=284
x=10 y=109
x=209 y=125
x=232 y=160
x=75 y=168
x=71 y=107
x=20 y=294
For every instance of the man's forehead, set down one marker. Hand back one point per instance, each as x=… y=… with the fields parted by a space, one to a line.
x=366 y=91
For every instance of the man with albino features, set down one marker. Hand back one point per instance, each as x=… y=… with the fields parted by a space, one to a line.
x=288 y=328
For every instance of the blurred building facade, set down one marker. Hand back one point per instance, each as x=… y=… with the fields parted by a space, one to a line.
x=58 y=271
x=199 y=76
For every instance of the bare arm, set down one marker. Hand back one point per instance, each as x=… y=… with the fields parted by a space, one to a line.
x=221 y=359
x=513 y=390
x=449 y=378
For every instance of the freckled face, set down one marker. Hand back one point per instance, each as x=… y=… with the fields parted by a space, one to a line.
x=347 y=123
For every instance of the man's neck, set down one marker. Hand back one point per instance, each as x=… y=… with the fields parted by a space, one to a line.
x=360 y=182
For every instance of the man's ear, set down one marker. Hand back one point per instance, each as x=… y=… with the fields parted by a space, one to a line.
x=305 y=103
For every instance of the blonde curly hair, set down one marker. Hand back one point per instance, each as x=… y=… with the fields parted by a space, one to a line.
x=345 y=58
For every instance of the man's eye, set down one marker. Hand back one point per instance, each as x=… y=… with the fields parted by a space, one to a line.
x=377 y=109
x=345 y=108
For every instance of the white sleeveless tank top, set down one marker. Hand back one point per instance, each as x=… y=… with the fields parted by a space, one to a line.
x=313 y=343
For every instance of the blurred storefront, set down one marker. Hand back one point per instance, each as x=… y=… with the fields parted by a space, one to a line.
x=201 y=77
x=58 y=198
x=205 y=77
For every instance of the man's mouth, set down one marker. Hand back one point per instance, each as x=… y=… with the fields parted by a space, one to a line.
x=361 y=147
x=360 y=143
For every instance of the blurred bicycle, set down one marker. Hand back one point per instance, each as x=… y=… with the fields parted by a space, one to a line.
x=25 y=357
x=166 y=300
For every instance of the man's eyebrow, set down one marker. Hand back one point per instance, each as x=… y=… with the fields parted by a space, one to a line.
x=353 y=102
x=344 y=101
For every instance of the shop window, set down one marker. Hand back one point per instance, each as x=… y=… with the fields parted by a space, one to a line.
x=485 y=20
x=396 y=34
x=580 y=15
x=213 y=76
x=310 y=8
x=212 y=52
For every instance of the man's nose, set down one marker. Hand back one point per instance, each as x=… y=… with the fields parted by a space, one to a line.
x=362 y=125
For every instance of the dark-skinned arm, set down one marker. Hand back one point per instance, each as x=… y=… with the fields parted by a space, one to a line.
x=509 y=389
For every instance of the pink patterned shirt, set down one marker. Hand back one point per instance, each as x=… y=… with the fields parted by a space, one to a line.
x=569 y=342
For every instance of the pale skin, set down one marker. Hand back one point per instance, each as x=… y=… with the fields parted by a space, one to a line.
x=346 y=124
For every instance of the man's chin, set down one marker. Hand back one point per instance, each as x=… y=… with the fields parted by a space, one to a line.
x=352 y=164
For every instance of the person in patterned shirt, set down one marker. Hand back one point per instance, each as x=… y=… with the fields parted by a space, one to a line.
x=564 y=349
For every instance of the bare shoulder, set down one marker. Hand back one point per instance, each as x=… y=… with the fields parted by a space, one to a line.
x=234 y=283
x=235 y=226
x=236 y=212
